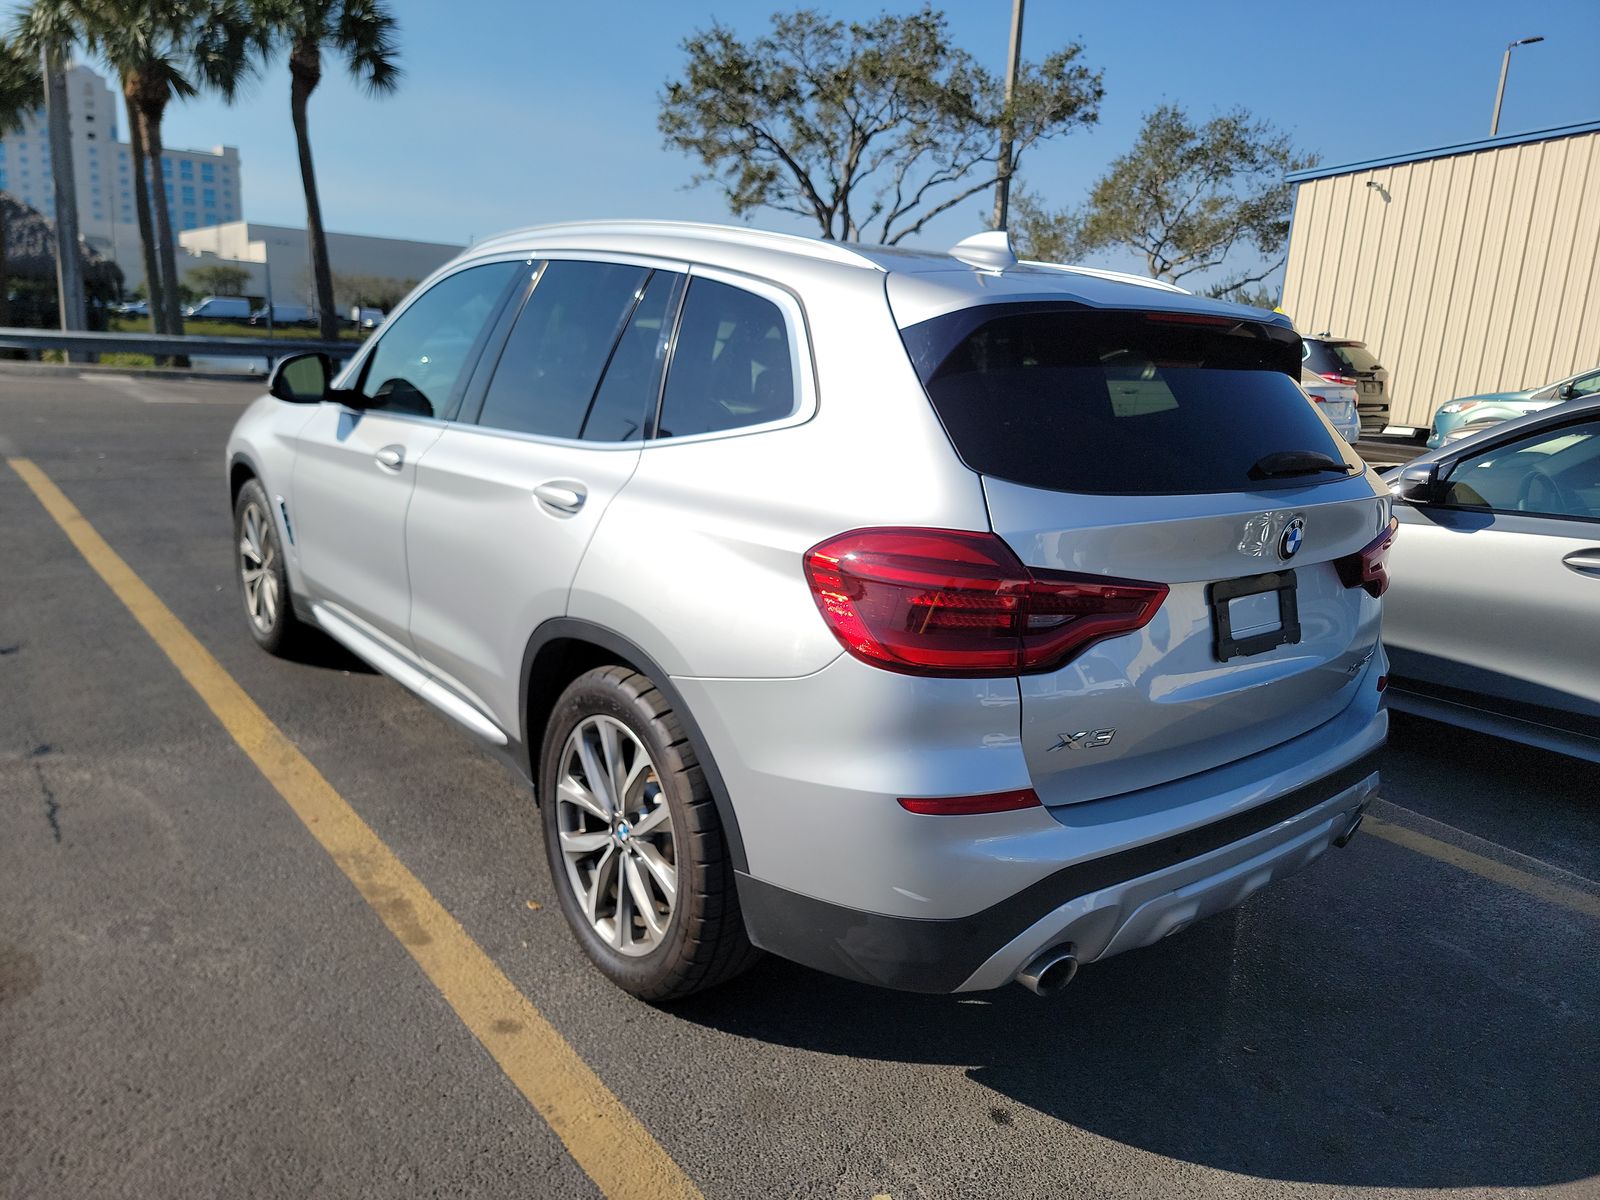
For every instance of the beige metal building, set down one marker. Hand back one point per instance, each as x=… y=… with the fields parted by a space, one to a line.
x=1467 y=269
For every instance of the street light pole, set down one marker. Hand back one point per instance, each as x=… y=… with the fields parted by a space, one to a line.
x=1002 y=187
x=69 y=265
x=1500 y=92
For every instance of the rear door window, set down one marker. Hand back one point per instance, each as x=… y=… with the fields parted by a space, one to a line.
x=557 y=350
x=626 y=400
x=1125 y=403
x=731 y=364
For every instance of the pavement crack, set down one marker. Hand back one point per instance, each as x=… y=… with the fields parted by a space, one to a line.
x=52 y=807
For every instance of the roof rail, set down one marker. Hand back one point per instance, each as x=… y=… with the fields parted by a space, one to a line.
x=784 y=243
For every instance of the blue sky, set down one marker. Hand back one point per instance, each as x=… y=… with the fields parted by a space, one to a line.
x=514 y=113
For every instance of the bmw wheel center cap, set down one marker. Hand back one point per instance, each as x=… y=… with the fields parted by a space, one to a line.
x=1289 y=542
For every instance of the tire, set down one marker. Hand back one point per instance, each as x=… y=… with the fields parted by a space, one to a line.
x=606 y=865
x=262 y=573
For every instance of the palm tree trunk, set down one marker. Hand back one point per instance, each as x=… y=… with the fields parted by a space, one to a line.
x=141 y=201
x=168 y=254
x=305 y=69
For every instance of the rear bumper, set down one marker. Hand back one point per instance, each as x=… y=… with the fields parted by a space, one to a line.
x=1103 y=906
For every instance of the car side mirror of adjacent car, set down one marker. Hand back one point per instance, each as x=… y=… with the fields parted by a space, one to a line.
x=1417 y=482
x=1567 y=392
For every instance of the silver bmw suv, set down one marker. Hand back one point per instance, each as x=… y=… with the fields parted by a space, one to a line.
x=936 y=620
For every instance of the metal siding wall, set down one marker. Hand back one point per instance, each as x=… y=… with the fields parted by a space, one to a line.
x=1479 y=273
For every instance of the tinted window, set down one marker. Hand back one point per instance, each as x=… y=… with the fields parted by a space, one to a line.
x=1357 y=358
x=627 y=396
x=1552 y=473
x=559 y=346
x=418 y=361
x=1121 y=403
x=1339 y=358
x=731 y=365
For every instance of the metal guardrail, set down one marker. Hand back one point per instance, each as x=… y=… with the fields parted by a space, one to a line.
x=168 y=346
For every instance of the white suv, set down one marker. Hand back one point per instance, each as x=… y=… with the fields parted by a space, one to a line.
x=937 y=620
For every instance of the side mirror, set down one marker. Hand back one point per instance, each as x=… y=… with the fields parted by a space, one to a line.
x=302 y=378
x=1567 y=392
x=1417 y=482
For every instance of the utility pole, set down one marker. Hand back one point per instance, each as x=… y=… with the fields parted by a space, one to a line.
x=69 y=264
x=1002 y=187
x=1500 y=92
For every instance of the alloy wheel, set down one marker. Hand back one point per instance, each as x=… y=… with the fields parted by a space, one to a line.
x=616 y=837
x=258 y=555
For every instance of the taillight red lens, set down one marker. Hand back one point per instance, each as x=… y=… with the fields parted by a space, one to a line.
x=1369 y=567
x=966 y=806
x=1347 y=380
x=950 y=602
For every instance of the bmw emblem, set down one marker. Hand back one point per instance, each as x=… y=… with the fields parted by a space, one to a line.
x=1289 y=541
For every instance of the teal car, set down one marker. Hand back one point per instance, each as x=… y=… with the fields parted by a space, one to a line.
x=1466 y=416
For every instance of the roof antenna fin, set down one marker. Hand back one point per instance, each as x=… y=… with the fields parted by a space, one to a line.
x=988 y=251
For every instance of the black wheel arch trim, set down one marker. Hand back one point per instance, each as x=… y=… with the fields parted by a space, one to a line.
x=239 y=459
x=560 y=629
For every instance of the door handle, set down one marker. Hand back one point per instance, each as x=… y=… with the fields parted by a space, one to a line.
x=1585 y=562
x=563 y=497
x=391 y=457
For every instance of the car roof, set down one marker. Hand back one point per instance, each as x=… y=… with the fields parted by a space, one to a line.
x=929 y=283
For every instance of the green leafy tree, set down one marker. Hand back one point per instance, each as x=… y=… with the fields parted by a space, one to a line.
x=21 y=94
x=872 y=129
x=1188 y=197
x=219 y=279
x=361 y=33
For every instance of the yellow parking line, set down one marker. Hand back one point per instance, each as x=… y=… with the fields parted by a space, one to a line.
x=1488 y=868
x=605 y=1139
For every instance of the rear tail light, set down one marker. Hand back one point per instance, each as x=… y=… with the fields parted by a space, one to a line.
x=966 y=806
x=948 y=602
x=1369 y=567
x=1347 y=380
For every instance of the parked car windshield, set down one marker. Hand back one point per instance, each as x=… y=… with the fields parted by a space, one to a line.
x=1125 y=403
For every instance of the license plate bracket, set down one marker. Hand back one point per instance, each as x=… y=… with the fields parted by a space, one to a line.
x=1227 y=645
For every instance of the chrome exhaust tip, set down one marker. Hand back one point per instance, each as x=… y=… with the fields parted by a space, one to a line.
x=1049 y=971
x=1343 y=839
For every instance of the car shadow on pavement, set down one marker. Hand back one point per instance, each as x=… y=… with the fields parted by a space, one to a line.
x=1353 y=1051
x=316 y=649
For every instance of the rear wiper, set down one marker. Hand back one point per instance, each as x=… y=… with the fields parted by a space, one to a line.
x=1282 y=463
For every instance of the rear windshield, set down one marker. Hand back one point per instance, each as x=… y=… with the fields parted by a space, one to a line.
x=1339 y=358
x=1124 y=403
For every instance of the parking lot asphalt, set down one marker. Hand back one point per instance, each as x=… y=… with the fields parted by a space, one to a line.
x=194 y=999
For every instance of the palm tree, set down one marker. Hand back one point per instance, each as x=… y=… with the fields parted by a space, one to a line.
x=21 y=89
x=164 y=50
x=362 y=33
x=160 y=50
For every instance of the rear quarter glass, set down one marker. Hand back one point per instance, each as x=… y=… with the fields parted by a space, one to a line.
x=1120 y=403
